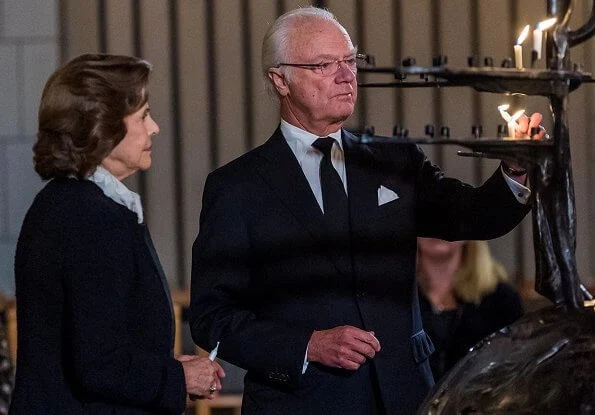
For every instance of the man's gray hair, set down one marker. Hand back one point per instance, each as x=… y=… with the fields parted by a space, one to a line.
x=276 y=41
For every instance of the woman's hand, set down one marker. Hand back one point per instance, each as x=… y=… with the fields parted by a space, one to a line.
x=203 y=377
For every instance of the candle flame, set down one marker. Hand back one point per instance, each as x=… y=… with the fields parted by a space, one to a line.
x=546 y=24
x=507 y=117
x=523 y=35
x=504 y=113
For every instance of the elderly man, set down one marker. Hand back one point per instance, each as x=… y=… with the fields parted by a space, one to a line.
x=304 y=267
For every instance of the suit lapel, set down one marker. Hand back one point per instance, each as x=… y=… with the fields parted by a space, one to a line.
x=278 y=166
x=283 y=173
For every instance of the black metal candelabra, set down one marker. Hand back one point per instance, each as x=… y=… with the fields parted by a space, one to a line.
x=548 y=160
x=544 y=362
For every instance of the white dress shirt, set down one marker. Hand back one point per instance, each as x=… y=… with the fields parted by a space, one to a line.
x=521 y=193
x=308 y=157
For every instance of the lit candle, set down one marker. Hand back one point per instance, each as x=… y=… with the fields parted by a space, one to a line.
x=518 y=48
x=538 y=35
x=518 y=56
x=537 y=40
x=512 y=125
x=510 y=119
x=503 y=108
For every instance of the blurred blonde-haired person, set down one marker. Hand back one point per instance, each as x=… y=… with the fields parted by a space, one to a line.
x=464 y=297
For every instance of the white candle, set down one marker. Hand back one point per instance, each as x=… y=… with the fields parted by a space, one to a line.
x=538 y=34
x=515 y=126
x=518 y=48
x=504 y=113
x=518 y=56
x=537 y=42
x=512 y=130
x=510 y=119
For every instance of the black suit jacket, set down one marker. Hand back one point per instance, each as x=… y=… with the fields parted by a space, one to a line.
x=95 y=326
x=265 y=274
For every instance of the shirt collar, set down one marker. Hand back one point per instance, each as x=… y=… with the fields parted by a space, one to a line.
x=117 y=191
x=294 y=134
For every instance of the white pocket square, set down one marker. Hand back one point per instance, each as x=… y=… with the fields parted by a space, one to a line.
x=386 y=195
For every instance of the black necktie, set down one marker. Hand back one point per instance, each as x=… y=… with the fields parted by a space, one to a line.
x=334 y=198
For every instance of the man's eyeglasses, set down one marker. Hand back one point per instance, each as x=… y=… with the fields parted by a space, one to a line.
x=331 y=67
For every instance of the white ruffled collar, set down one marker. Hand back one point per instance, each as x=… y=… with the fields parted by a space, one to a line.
x=117 y=191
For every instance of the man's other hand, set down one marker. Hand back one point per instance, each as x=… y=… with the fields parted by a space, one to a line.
x=345 y=347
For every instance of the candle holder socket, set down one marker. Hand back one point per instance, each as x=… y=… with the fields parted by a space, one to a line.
x=507 y=63
x=429 y=130
x=473 y=61
x=409 y=61
x=439 y=60
x=477 y=131
x=502 y=130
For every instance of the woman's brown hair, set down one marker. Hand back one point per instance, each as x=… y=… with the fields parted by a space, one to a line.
x=82 y=110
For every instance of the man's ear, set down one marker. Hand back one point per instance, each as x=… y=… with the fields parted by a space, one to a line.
x=279 y=81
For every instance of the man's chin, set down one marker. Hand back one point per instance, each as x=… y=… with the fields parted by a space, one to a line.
x=344 y=115
x=343 y=110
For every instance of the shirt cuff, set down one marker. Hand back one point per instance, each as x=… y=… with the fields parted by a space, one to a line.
x=520 y=192
x=305 y=366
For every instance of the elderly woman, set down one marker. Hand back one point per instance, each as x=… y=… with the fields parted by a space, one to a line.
x=94 y=312
x=463 y=297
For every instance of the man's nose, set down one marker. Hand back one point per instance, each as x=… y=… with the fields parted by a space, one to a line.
x=344 y=73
